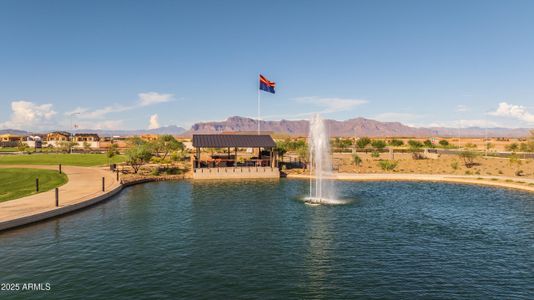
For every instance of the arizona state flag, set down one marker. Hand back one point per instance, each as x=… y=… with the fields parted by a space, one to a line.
x=266 y=85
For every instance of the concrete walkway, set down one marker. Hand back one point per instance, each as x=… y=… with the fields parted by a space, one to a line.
x=498 y=181
x=84 y=188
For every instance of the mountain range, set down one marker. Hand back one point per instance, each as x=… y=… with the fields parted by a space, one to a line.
x=351 y=127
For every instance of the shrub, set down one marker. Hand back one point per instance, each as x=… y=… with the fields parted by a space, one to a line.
x=513 y=147
x=379 y=144
x=375 y=154
x=388 y=165
x=470 y=146
x=519 y=173
x=514 y=159
x=356 y=160
x=468 y=157
x=363 y=142
x=415 y=146
x=444 y=143
x=396 y=143
x=428 y=144
x=454 y=165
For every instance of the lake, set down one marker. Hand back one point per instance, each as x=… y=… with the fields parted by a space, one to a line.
x=257 y=239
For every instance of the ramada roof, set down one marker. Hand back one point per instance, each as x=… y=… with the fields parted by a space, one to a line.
x=233 y=140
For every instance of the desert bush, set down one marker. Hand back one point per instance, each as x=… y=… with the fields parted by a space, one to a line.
x=468 y=157
x=375 y=154
x=388 y=165
x=470 y=146
x=363 y=142
x=379 y=144
x=356 y=160
x=444 y=143
x=519 y=173
x=396 y=143
x=454 y=165
x=514 y=160
x=341 y=143
x=513 y=147
x=415 y=147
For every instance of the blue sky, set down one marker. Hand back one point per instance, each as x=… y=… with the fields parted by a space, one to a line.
x=135 y=64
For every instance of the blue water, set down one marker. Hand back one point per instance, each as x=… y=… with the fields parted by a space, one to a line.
x=259 y=240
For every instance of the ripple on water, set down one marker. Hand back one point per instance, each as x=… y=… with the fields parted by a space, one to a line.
x=256 y=239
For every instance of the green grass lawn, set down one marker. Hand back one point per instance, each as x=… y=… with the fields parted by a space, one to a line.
x=16 y=183
x=84 y=160
x=8 y=149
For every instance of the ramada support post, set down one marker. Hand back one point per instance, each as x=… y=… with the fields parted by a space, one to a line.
x=235 y=157
x=198 y=157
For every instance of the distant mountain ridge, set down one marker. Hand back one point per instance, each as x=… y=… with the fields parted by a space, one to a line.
x=172 y=129
x=351 y=127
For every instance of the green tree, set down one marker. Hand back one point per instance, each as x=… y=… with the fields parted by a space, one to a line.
x=302 y=152
x=341 y=143
x=138 y=155
x=415 y=148
x=112 y=151
x=513 y=147
x=166 y=144
x=444 y=143
x=396 y=143
x=22 y=147
x=363 y=142
x=428 y=144
x=468 y=156
x=86 y=146
x=379 y=144
x=281 y=149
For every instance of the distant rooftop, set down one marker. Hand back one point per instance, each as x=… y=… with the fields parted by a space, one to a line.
x=233 y=140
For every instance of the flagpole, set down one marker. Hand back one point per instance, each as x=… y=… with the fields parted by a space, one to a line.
x=258 y=110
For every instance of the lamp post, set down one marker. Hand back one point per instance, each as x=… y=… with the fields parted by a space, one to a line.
x=71 y=135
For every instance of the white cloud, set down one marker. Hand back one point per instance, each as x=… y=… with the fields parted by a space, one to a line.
x=153 y=123
x=145 y=99
x=87 y=114
x=150 y=98
x=29 y=115
x=513 y=111
x=462 y=108
x=331 y=105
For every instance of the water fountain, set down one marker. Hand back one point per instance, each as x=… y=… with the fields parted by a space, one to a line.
x=320 y=164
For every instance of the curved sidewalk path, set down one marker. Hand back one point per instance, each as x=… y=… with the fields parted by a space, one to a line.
x=84 y=188
x=502 y=181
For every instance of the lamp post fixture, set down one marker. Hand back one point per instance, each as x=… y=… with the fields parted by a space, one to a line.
x=71 y=135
